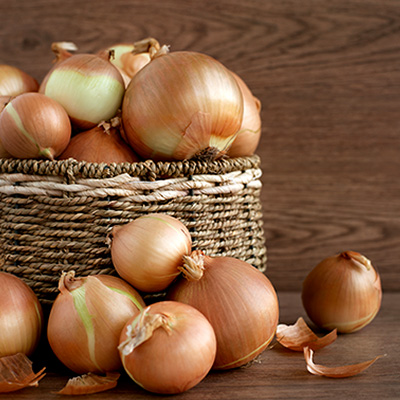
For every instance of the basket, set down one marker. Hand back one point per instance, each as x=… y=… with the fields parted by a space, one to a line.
x=55 y=215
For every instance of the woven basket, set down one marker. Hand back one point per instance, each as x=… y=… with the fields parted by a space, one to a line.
x=55 y=215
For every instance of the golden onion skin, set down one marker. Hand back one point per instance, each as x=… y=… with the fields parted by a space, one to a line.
x=180 y=104
x=341 y=293
x=241 y=304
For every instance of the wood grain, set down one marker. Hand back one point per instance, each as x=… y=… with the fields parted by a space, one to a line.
x=327 y=74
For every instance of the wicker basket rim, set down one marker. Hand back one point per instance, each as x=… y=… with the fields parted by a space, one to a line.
x=147 y=170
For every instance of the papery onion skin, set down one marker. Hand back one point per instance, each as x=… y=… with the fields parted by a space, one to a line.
x=84 y=327
x=241 y=304
x=248 y=137
x=89 y=87
x=21 y=317
x=176 y=357
x=33 y=125
x=147 y=251
x=14 y=81
x=343 y=293
x=180 y=105
x=99 y=145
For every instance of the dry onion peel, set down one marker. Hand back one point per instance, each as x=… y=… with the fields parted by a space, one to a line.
x=298 y=336
x=90 y=383
x=344 y=371
x=16 y=373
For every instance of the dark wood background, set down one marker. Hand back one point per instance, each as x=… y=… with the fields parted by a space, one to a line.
x=328 y=76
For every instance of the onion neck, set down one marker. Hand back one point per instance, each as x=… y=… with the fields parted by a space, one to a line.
x=151 y=46
x=144 y=330
x=193 y=266
x=358 y=258
x=68 y=282
x=62 y=50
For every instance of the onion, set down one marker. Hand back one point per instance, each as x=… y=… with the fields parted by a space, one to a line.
x=86 y=320
x=169 y=348
x=127 y=62
x=147 y=252
x=21 y=317
x=181 y=105
x=238 y=300
x=102 y=144
x=13 y=81
x=248 y=137
x=89 y=87
x=342 y=292
x=3 y=102
x=33 y=125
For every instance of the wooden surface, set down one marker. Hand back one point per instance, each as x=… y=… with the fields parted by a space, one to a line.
x=280 y=373
x=327 y=74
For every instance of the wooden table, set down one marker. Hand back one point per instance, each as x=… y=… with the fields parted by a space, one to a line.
x=278 y=373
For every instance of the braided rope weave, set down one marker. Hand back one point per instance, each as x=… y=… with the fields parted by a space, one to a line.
x=55 y=215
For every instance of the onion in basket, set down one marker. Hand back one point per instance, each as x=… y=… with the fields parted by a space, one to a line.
x=181 y=105
x=89 y=87
x=248 y=137
x=13 y=81
x=33 y=125
x=101 y=144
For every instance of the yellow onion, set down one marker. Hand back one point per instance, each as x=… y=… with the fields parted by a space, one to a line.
x=13 y=81
x=89 y=87
x=248 y=137
x=147 y=251
x=3 y=102
x=342 y=292
x=126 y=60
x=86 y=320
x=182 y=105
x=169 y=348
x=33 y=125
x=102 y=144
x=21 y=317
x=238 y=300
